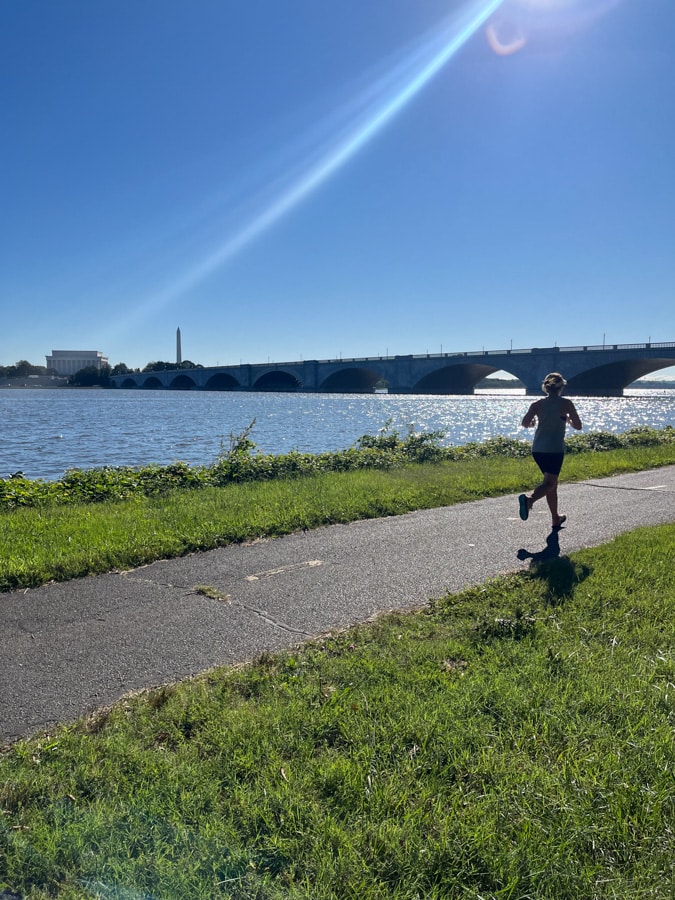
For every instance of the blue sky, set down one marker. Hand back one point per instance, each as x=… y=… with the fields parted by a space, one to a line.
x=313 y=178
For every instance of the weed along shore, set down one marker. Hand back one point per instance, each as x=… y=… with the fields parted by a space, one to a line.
x=508 y=739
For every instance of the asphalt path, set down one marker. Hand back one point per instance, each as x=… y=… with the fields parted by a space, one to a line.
x=68 y=649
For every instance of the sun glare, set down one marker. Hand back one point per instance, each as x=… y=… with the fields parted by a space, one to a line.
x=380 y=102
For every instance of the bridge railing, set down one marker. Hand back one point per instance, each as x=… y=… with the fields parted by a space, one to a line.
x=456 y=354
x=511 y=351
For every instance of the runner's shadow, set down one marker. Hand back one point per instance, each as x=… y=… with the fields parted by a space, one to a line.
x=550 y=551
x=559 y=572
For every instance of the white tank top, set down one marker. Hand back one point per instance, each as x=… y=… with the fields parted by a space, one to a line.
x=549 y=436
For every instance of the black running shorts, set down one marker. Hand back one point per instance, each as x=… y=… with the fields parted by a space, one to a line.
x=549 y=463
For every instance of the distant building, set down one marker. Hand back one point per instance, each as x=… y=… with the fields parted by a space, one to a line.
x=68 y=362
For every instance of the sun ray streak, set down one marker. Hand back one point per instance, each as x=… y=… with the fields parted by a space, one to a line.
x=393 y=92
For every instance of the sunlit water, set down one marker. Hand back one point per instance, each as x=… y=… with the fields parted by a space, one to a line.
x=45 y=432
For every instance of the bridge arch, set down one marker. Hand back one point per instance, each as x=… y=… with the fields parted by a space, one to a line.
x=351 y=381
x=459 y=378
x=129 y=383
x=222 y=381
x=611 y=379
x=182 y=383
x=277 y=381
x=152 y=383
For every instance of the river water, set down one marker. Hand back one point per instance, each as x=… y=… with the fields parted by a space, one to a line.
x=45 y=432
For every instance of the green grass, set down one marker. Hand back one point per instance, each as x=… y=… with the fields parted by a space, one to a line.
x=56 y=541
x=511 y=741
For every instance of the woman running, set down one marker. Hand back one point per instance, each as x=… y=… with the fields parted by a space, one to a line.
x=552 y=414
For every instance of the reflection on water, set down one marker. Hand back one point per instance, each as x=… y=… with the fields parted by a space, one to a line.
x=45 y=432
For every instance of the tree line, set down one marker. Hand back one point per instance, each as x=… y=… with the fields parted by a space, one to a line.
x=91 y=376
x=21 y=369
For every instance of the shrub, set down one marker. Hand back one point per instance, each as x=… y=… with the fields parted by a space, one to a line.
x=240 y=462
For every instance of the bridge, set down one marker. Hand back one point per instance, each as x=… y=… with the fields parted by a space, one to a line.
x=593 y=371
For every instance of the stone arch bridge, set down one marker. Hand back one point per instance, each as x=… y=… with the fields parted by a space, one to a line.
x=590 y=371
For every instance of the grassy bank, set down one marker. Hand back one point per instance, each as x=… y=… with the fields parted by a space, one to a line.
x=102 y=520
x=241 y=463
x=515 y=740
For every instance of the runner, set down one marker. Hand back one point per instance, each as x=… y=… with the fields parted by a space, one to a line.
x=551 y=414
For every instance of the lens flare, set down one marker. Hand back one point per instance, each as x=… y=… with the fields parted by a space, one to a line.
x=522 y=21
x=365 y=117
x=505 y=40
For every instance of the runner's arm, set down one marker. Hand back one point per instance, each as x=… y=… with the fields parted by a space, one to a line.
x=572 y=415
x=530 y=415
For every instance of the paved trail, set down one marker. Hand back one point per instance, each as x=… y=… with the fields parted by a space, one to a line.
x=69 y=648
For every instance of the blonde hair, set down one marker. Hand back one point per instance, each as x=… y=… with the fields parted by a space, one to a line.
x=553 y=383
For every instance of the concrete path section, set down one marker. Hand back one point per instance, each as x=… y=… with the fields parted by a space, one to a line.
x=70 y=648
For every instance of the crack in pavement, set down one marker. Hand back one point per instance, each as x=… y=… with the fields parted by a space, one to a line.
x=308 y=564
x=655 y=489
x=271 y=621
x=254 y=610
